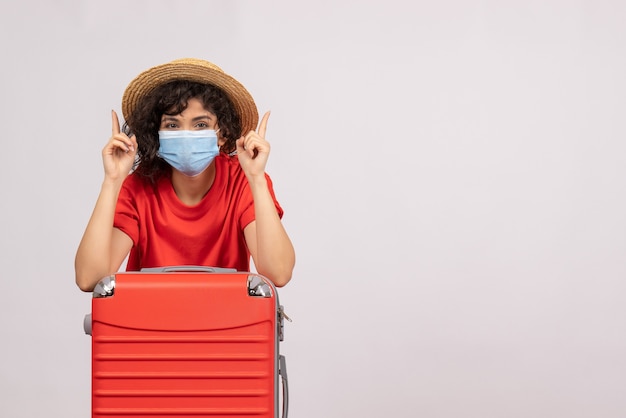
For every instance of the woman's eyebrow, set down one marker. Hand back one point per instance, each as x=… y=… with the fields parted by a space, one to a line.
x=197 y=118
x=172 y=118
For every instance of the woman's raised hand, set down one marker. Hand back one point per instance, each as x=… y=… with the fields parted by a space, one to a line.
x=253 y=150
x=118 y=156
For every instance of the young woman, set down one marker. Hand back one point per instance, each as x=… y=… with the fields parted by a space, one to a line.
x=198 y=193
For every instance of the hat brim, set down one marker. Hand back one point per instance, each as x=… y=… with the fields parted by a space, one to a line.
x=199 y=71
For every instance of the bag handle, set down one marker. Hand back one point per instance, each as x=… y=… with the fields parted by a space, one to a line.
x=203 y=269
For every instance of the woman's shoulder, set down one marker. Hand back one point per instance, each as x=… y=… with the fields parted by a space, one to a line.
x=136 y=181
x=229 y=164
x=138 y=184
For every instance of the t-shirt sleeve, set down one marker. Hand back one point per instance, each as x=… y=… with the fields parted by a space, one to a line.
x=126 y=215
x=247 y=215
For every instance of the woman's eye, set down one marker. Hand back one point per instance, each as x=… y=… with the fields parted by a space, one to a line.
x=170 y=125
x=202 y=125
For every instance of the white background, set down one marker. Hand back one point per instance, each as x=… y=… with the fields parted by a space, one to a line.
x=452 y=173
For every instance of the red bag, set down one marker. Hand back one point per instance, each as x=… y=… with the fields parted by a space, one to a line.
x=186 y=341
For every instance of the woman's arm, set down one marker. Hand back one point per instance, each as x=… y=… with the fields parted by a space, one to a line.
x=267 y=240
x=103 y=247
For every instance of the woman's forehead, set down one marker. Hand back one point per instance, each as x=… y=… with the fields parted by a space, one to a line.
x=194 y=109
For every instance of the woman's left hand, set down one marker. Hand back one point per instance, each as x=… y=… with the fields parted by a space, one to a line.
x=253 y=150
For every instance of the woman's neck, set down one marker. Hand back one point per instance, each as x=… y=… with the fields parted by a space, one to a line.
x=191 y=190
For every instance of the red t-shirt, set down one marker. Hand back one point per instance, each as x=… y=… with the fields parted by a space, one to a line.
x=166 y=232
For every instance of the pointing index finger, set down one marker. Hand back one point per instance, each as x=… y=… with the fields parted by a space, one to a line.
x=263 y=124
x=115 y=122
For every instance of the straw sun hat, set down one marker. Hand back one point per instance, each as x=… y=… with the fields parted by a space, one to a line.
x=197 y=70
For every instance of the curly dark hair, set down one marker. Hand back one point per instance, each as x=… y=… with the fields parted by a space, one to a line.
x=171 y=99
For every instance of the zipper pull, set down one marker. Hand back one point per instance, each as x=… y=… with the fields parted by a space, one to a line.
x=282 y=314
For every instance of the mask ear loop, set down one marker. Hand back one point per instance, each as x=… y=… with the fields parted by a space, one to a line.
x=230 y=154
x=218 y=138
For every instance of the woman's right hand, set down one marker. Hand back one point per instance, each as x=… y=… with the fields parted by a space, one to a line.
x=118 y=156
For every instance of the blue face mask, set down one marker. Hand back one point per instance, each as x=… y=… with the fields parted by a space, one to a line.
x=190 y=152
